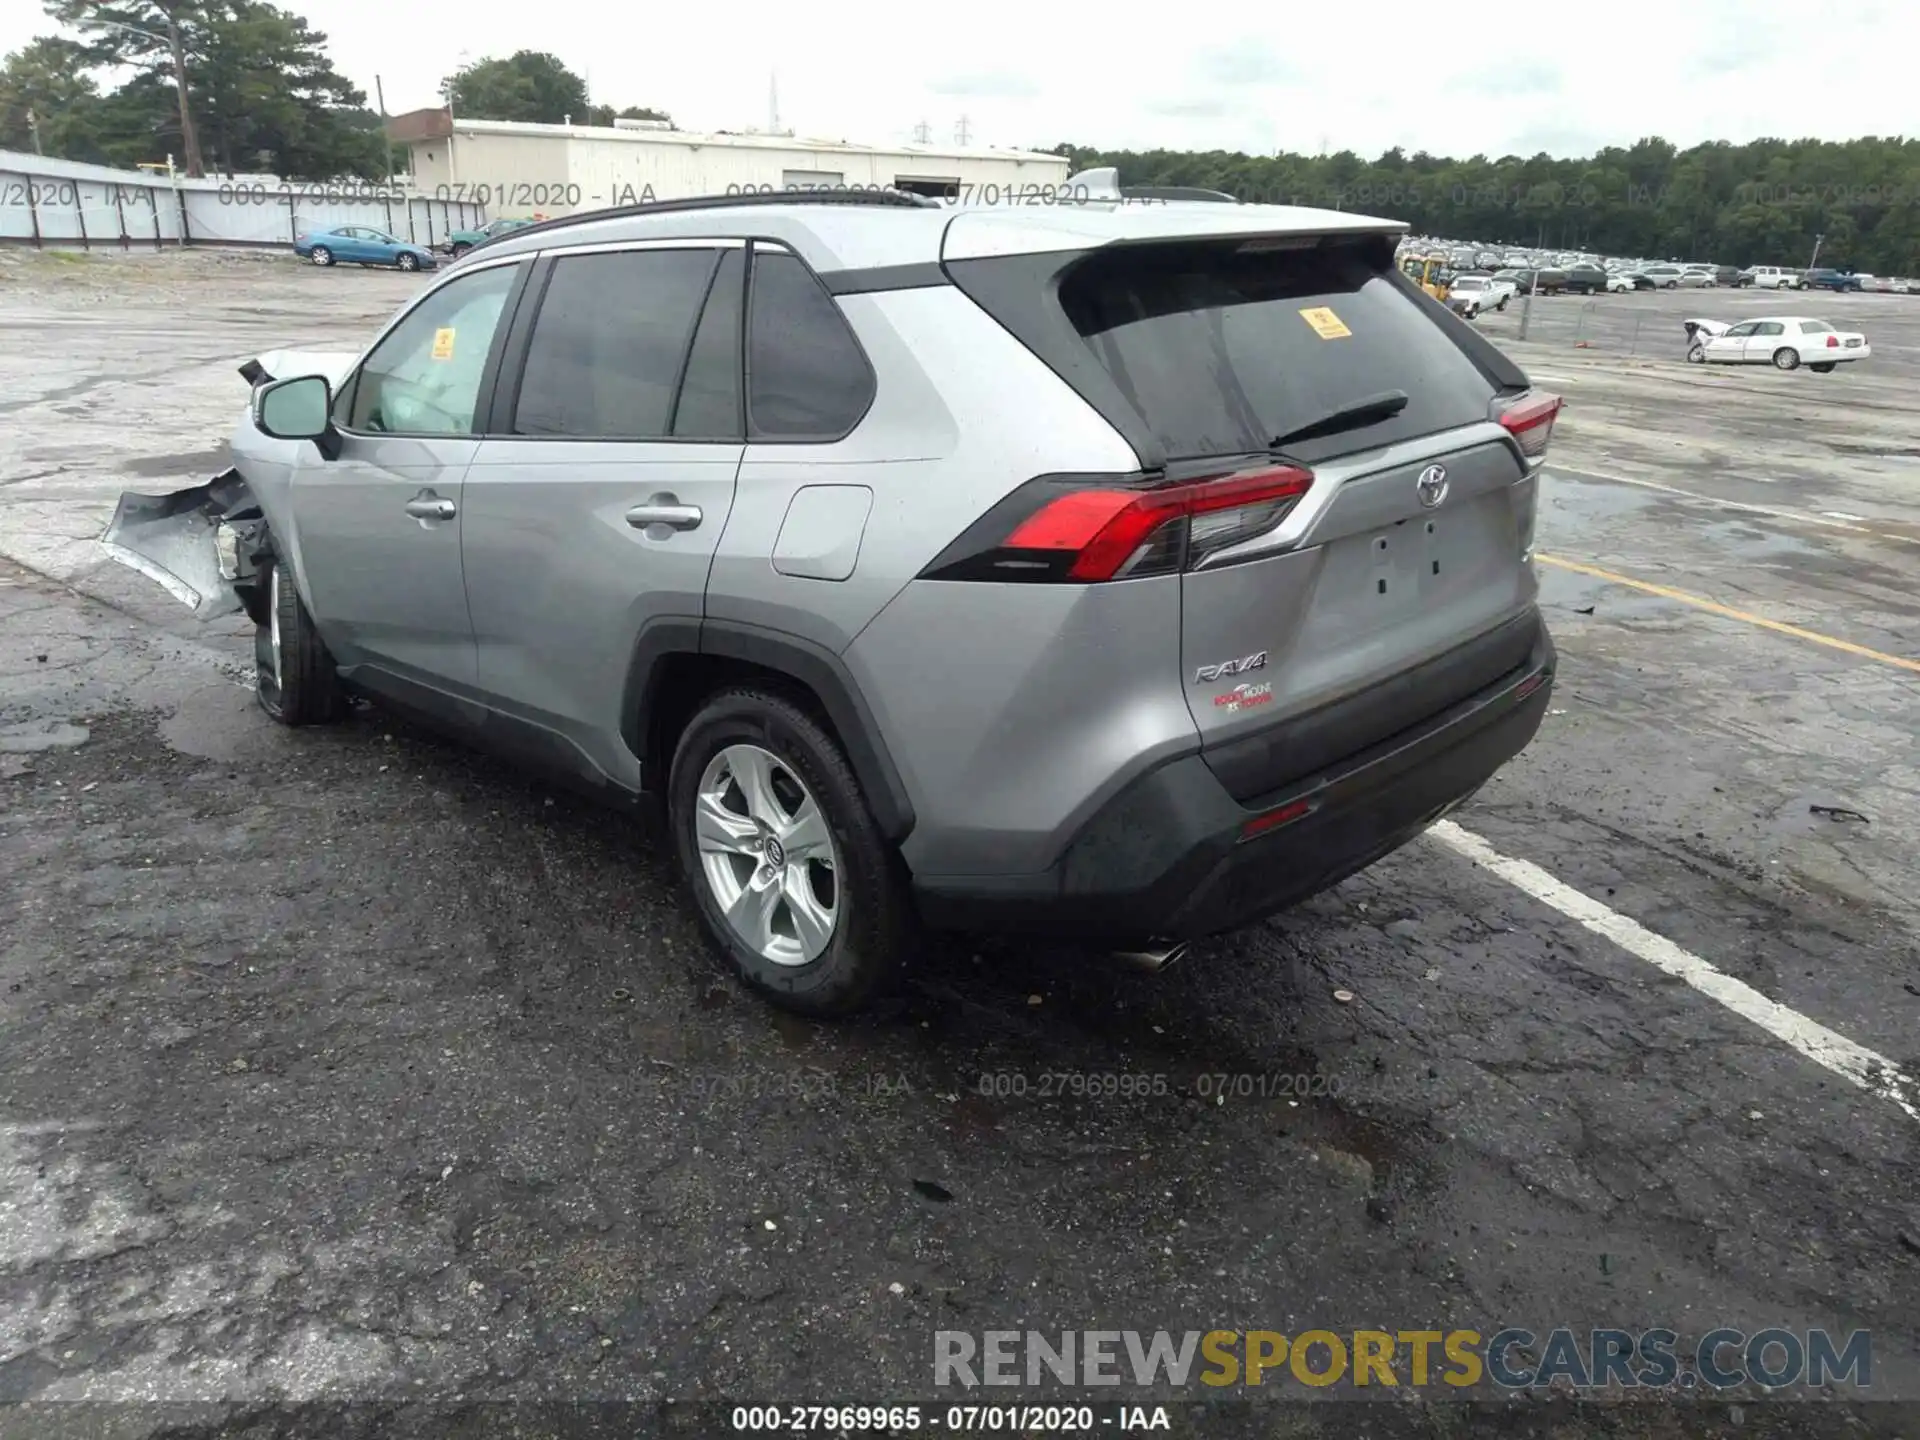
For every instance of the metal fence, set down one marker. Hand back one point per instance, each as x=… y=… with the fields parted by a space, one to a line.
x=45 y=202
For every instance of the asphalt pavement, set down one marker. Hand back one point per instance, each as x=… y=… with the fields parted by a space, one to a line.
x=350 y=1064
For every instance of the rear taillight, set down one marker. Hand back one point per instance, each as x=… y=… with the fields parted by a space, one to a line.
x=1529 y=419
x=1084 y=530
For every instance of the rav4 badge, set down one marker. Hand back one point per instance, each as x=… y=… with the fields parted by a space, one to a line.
x=1207 y=674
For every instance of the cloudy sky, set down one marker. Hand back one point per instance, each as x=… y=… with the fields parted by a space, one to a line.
x=1252 y=75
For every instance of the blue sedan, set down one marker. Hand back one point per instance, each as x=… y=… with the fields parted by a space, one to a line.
x=362 y=245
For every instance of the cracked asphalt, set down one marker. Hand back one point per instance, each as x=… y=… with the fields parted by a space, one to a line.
x=349 y=1064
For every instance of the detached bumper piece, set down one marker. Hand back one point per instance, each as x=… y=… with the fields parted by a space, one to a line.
x=1175 y=857
x=201 y=544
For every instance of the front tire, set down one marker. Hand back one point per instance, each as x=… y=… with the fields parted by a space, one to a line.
x=408 y=261
x=322 y=256
x=794 y=883
x=293 y=677
x=1786 y=358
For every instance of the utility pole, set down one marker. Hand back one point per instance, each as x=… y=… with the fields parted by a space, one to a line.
x=33 y=124
x=962 y=132
x=1816 y=250
x=386 y=141
x=923 y=134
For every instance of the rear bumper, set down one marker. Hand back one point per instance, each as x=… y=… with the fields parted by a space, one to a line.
x=1168 y=857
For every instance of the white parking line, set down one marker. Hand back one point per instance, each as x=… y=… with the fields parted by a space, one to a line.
x=1777 y=512
x=1854 y=1063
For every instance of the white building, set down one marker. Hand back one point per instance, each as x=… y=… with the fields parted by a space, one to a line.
x=522 y=169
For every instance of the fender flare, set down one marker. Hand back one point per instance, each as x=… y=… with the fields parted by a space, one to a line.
x=815 y=666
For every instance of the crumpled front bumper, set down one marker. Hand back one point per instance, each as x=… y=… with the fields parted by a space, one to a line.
x=199 y=544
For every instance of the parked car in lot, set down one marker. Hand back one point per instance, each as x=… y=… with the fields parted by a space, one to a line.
x=1468 y=295
x=1621 y=282
x=1770 y=277
x=362 y=245
x=1014 y=601
x=1551 y=282
x=1665 y=277
x=1585 y=279
x=1823 y=279
x=462 y=241
x=1784 y=341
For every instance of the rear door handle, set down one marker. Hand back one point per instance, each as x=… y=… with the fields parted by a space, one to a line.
x=680 y=517
x=431 y=508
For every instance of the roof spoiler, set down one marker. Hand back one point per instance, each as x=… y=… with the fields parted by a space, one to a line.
x=1101 y=186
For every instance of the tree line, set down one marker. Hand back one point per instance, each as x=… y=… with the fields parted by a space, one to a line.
x=1763 y=203
x=263 y=96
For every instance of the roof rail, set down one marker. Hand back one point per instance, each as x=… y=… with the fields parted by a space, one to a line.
x=1176 y=192
x=890 y=199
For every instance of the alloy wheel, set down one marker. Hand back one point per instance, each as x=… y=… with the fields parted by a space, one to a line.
x=767 y=855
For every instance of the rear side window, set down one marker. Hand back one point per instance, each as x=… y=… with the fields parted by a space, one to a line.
x=608 y=345
x=1815 y=327
x=807 y=378
x=1222 y=349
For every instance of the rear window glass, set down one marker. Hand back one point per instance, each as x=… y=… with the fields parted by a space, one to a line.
x=1221 y=349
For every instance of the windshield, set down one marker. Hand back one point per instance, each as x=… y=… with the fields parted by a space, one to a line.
x=1470 y=282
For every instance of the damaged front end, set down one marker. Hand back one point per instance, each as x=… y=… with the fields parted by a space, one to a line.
x=203 y=545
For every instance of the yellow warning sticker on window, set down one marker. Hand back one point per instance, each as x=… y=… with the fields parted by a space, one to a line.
x=1325 y=323
x=443 y=343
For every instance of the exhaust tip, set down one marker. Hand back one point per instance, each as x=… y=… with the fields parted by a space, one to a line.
x=1153 y=957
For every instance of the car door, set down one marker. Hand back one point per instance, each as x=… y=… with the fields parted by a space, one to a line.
x=1730 y=346
x=350 y=244
x=1766 y=338
x=382 y=248
x=377 y=524
x=596 y=499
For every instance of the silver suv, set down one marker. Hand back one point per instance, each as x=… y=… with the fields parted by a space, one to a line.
x=1114 y=573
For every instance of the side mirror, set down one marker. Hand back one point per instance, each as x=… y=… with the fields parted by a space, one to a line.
x=296 y=409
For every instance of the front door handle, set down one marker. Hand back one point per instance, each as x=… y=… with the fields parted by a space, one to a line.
x=663 y=512
x=430 y=507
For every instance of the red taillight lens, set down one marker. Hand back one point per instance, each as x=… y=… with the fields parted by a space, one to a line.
x=1056 y=529
x=1529 y=420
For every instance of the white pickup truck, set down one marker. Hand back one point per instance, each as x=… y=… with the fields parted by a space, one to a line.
x=1468 y=295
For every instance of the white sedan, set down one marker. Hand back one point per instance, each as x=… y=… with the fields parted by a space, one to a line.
x=1784 y=341
x=1620 y=283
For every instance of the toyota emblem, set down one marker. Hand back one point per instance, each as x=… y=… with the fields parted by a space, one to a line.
x=1432 y=485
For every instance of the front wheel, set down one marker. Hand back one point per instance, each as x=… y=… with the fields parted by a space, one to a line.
x=460 y=248
x=408 y=261
x=1501 y=304
x=293 y=676
x=322 y=255
x=1786 y=358
x=794 y=883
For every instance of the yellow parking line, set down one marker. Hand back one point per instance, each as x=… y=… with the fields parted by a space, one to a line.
x=1714 y=607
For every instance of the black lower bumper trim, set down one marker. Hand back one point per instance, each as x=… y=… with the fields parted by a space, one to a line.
x=1169 y=857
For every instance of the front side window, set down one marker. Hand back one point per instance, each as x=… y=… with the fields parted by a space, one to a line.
x=610 y=343
x=424 y=377
x=1740 y=332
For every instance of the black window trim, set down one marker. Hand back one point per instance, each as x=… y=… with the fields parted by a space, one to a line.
x=489 y=372
x=498 y=414
x=746 y=352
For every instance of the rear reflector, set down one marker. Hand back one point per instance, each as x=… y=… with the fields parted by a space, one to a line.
x=1085 y=530
x=1529 y=419
x=1274 y=819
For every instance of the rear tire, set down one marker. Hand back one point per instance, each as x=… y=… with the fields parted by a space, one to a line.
x=1697 y=355
x=1821 y=367
x=1786 y=358
x=322 y=256
x=293 y=676
x=862 y=895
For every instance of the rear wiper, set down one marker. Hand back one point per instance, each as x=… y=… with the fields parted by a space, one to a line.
x=1385 y=405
